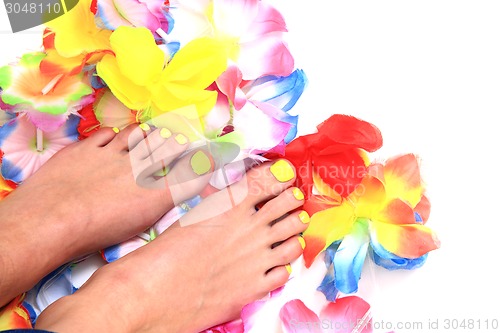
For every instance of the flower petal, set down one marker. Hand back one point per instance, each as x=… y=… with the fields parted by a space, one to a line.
x=350 y=258
x=15 y=315
x=111 y=112
x=350 y=131
x=77 y=33
x=117 y=251
x=280 y=91
x=260 y=131
x=383 y=258
x=266 y=56
x=18 y=142
x=423 y=209
x=326 y=227
x=403 y=240
x=134 y=46
x=132 y=95
x=112 y=14
x=348 y=314
x=402 y=179
x=296 y=317
x=327 y=286
x=197 y=65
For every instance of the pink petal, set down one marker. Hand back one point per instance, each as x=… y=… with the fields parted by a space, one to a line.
x=248 y=314
x=296 y=317
x=268 y=20
x=268 y=55
x=228 y=84
x=261 y=131
x=346 y=314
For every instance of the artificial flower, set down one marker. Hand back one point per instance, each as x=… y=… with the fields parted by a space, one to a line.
x=250 y=32
x=46 y=103
x=18 y=143
x=15 y=315
x=5 y=186
x=138 y=77
x=345 y=315
x=336 y=154
x=382 y=213
x=152 y=14
x=265 y=102
x=55 y=64
x=76 y=33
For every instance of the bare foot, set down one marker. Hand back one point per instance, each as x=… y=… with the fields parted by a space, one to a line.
x=90 y=195
x=193 y=277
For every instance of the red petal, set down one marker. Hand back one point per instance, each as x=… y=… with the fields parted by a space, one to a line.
x=352 y=131
x=342 y=171
x=423 y=208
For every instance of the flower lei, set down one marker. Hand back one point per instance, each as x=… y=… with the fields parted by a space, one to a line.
x=226 y=68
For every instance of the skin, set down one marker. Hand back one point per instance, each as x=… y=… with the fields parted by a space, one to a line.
x=200 y=272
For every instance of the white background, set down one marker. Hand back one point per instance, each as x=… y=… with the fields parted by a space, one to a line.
x=427 y=73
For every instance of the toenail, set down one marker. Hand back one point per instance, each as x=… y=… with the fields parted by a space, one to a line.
x=200 y=163
x=116 y=130
x=181 y=139
x=163 y=172
x=304 y=217
x=282 y=171
x=298 y=194
x=302 y=243
x=145 y=127
x=165 y=133
x=288 y=268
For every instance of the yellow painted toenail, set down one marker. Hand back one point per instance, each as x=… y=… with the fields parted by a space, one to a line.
x=288 y=268
x=298 y=194
x=181 y=139
x=200 y=163
x=304 y=217
x=302 y=242
x=282 y=171
x=145 y=127
x=163 y=172
x=116 y=130
x=165 y=133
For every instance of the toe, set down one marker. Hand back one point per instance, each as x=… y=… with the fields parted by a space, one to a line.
x=287 y=251
x=293 y=224
x=102 y=137
x=264 y=182
x=284 y=203
x=145 y=141
x=121 y=140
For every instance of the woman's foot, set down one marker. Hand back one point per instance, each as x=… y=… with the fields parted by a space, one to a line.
x=92 y=194
x=196 y=276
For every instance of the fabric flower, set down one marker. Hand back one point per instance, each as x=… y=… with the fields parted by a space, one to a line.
x=346 y=315
x=139 y=78
x=383 y=213
x=256 y=105
x=76 y=33
x=250 y=31
x=47 y=104
x=5 y=186
x=152 y=14
x=336 y=154
x=15 y=315
x=18 y=142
